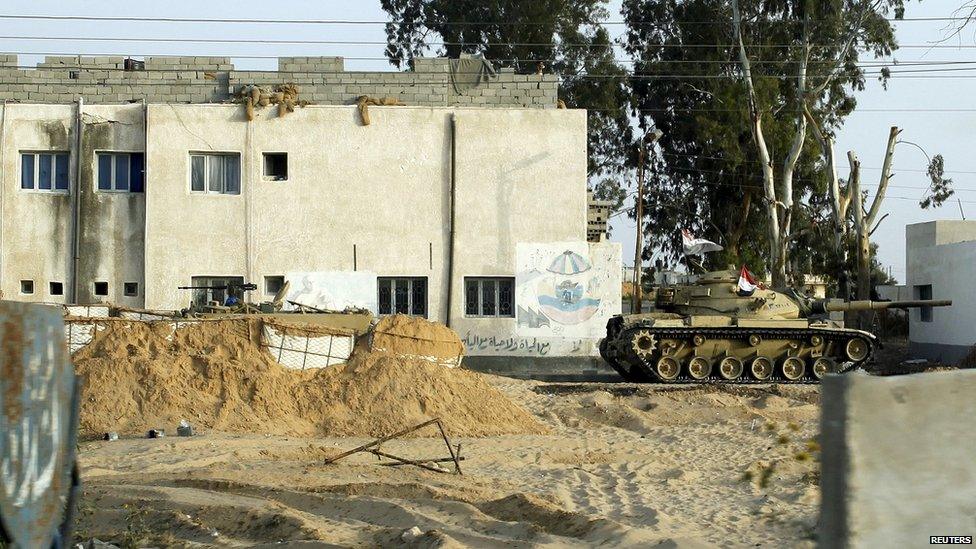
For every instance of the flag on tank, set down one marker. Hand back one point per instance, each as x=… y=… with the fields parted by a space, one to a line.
x=747 y=284
x=696 y=246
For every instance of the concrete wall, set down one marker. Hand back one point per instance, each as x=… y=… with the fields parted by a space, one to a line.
x=943 y=254
x=35 y=226
x=323 y=80
x=897 y=459
x=36 y=233
x=383 y=189
x=111 y=223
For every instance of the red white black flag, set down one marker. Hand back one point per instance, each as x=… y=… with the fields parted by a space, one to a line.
x=747 y=284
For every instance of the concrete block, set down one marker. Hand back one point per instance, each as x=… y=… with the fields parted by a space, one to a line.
x=898 y=459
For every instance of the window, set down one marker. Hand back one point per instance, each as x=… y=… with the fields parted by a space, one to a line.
x=130 y=289
x=924 y=292
x=276 y=166
x=44 y=171
x=26 y=286
x=215 y=173
x=101 y=288
x=403 y=296
x=493 y=297
x=56 y=288
x=121 y=172
x=216 y=288
x=273 y=284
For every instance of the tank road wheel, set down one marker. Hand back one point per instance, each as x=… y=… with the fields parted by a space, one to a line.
x=699 y=367
x=667 y=368
x=793 y=368
x=761 y=368
x=644 y=344
x=857 y=349
x=730 y=367
x=823 y=366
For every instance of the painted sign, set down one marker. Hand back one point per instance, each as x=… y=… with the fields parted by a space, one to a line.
x=480 y=345
x=566 y=289
x=333 y=290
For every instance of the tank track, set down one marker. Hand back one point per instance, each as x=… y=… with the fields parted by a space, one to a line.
x=646 y=373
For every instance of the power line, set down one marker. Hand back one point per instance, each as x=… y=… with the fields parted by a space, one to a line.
x=861 y=64
x=376 y=22
x=80 y=65
x=383 y=43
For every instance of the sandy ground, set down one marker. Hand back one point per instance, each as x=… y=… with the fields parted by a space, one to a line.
x=624 y=465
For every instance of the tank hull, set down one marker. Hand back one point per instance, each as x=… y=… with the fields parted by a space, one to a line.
x=645 y=351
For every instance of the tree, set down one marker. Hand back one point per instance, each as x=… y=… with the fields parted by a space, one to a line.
x=561 y=36
x=733 y=97
x=865 y=217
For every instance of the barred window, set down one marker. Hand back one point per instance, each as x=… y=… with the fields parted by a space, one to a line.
x=403 y=295
x=489 y=297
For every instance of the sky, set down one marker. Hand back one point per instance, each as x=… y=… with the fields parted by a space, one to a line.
x=917 y=105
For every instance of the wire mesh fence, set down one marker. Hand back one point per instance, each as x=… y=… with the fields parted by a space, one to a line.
x=301 y=348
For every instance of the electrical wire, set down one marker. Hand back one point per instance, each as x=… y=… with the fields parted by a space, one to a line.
x=428 y=44
x=376 y=22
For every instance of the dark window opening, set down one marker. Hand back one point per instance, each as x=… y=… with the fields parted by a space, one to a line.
x=273 y=284
x=101 y=288
x=406 y=295
x=56 y=288
x=217 y=289
x=44 y=172
x=276 y=166
x=26 y=286
x=121 y=172
x=130 y=289
x=133 y=65
x=924 y=292
x=489 y=297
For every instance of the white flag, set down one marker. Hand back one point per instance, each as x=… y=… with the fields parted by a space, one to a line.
x=697 y=246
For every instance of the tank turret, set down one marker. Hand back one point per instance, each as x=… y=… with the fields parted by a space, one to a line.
x=710 y=329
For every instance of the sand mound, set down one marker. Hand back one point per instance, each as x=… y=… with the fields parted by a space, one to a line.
x=409 y=336
x=139 y=376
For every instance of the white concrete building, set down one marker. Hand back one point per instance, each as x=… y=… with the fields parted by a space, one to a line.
x=467 y=216
x=941 y=264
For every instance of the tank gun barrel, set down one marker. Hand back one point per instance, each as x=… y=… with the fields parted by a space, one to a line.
x=868 y=305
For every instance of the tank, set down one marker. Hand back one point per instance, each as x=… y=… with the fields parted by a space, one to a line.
x=708 y=331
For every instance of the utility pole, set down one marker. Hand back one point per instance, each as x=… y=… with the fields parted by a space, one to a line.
x=635 y=301
x=654 y=135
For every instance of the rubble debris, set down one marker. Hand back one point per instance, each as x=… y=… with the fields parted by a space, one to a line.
x=373 y=448
x=184 y=429
x=110 y=436
x=156 y=433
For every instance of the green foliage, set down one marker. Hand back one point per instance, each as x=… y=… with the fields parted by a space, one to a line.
x=559 y=36
x=687 y=83
x=940 y=187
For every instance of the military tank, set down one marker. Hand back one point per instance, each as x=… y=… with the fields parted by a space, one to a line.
x=709 y=331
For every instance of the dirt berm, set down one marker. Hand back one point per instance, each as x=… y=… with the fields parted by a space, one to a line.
x=215 y=374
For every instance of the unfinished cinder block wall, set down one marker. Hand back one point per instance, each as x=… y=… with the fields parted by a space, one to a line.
x=201 y=79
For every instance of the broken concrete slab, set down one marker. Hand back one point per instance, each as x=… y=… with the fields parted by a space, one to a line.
x=898 y=459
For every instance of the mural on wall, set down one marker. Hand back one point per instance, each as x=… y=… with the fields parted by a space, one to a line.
x=333 y=290
x=566 y=289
